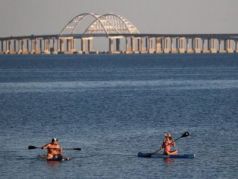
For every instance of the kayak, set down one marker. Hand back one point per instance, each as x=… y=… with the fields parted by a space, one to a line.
x=151 y=155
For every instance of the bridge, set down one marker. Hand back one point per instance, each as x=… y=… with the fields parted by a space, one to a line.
x=122 y=37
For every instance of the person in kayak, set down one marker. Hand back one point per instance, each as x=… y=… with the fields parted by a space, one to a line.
x=168 y=144
x=54 y=150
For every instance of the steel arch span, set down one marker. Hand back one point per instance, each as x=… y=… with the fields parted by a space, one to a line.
x=106 y=23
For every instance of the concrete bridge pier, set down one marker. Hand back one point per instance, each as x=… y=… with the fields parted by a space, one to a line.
x=229 y=47
x=197 y=45
x=169 y=45
x=60 y=46
x=111 y=45
x=54 y=47
x=236 y=46
x=87 y=45
x=152 y=45
x=138 y=45
x=182 y=45
x=14 y=50
x=90 y=44
x=1 y=51
x=118 y=43
x=146 y=49
x=70 y=45
x=219 y=45
x=174 y=45
x=190 y=45
x=8 y=47
x=214 y=44
x=114 y=49
x=83 y=45
x=20 y=47
x=33 y=46
x=46 y=46
x=129 y=45
x=205 y=46
x=158 y=45
x=41 y=41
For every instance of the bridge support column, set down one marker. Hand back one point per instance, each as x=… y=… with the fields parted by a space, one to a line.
x=132 y=44
x=181 y=45
x=229 y=48
x=158 y=45
x=54 y=46
x=151 y=45
x=213 y=45
x=86 y=45
x=118 y=45
x=197 y=45
x=8 y=47
x=205 y=46
x=27 y=46
x=208 y=45
x=33 y=46
x=167 y=48
x=46 y=46
x=174 y=45
x=20 y=46
x=70 y=45
x=114 y=48
x=90 y=45
x=1 y=49
x=60 y=44
x=110 y=45
x=146 y=44
x=219 y=45
x=189 y=45
x=83 y=45
x=14 y=51
x=129 y=45
x=236 y=46
x=138 y=45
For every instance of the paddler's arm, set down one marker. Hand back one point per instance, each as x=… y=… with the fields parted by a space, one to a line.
x=44 y=146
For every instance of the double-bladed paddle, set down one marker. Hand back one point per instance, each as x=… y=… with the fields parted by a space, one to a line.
x=34 y=147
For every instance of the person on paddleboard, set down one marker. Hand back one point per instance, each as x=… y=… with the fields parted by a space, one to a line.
x=168 y=144
x=54 y=150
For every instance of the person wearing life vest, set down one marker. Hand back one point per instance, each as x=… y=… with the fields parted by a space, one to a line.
x=54 y=150
x=168 y=144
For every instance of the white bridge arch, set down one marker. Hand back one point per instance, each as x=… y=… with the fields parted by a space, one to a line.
x=107 y=23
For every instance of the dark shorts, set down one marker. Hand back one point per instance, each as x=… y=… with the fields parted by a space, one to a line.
x=57 y=158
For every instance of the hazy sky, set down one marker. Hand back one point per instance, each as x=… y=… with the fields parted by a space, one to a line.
x=24 y=17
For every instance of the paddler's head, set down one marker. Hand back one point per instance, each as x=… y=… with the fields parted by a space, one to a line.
x=54 y=140
x=167 y=135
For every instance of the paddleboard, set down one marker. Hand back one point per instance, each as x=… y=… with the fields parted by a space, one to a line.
x=151 y=155
x=57 y=159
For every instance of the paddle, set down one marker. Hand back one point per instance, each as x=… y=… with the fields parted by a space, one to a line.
x=185 y=134
x=34 y=147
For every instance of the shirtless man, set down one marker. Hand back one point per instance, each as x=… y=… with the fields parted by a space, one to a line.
x=54 y=150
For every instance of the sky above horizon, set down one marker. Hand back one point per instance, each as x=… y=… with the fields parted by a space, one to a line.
x=25 y=17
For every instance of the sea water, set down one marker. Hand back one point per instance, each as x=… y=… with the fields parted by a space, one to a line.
x=114 y=106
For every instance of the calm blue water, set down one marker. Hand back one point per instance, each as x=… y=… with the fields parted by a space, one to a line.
x=115 y=106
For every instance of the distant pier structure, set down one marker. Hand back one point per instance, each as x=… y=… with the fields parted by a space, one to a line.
x=122 y=37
